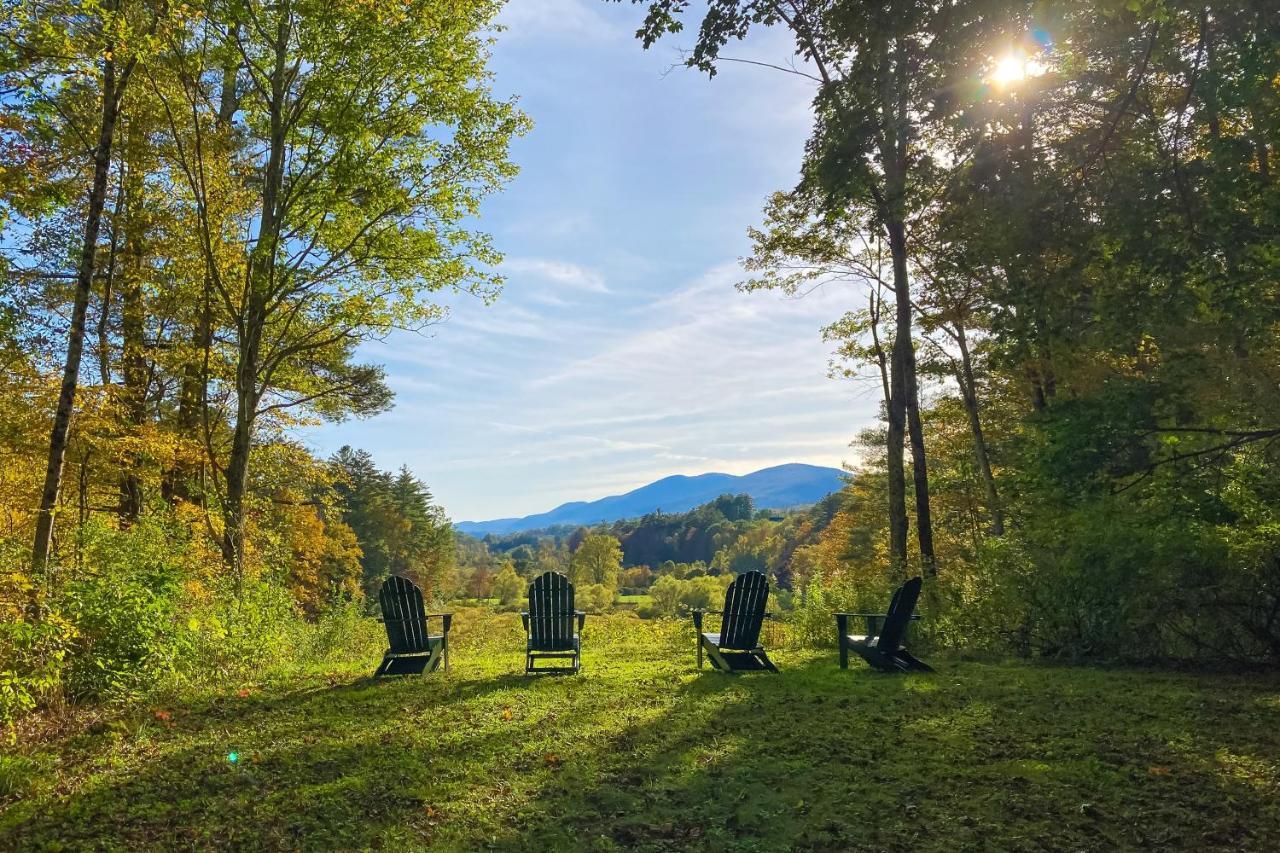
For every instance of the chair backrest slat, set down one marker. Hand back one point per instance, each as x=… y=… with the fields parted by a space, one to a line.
x=893 y=602
x=404 y=615
x=899 y=616
x=744 y=603
x=551 y=613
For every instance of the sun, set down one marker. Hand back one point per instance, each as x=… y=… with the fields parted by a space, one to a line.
x=1013 y=68
x=1009 y=70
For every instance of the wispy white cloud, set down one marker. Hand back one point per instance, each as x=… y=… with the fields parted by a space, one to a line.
x=709 y=329
x=505 y=320
x=556 y=273
x=698 y=378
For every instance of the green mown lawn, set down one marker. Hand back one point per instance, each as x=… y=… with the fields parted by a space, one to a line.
x=641 y=751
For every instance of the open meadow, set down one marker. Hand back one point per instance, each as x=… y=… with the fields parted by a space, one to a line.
x=641 y=751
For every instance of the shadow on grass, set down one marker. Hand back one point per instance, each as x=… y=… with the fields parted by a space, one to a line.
x=324 y=766
x=653 y=756
x=822 y=759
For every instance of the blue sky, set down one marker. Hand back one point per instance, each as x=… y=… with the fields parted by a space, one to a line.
x=619 y=351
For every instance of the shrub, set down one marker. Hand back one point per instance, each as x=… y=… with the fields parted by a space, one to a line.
x=344 y=633
x=670 y=596
x=235 y=636
x=124 y=631
x=123 y=602
x=508 y=587
x=32 y=657
x=813 y=616
x=593 y=597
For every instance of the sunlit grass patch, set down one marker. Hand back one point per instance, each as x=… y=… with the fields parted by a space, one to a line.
x=642 y=751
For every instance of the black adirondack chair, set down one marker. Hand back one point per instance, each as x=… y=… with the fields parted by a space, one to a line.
x=737 y=647
x=553 y=628
x=881 y=647
x=412 y=648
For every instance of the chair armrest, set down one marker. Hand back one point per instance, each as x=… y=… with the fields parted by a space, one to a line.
x=582 y=619
x=875 y=615
x=873 y=620
x=524 y=619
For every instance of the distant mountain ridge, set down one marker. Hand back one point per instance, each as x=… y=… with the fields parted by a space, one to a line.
x=779 y=487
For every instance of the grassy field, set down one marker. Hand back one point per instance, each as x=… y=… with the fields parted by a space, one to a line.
x=642 y=752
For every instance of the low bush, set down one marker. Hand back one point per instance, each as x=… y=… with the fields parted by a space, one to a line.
x=671 y=596
x=593 y=598
x=32 y=659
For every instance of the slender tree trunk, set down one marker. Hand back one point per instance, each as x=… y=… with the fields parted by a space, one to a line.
x=108 y=282
x=133 y=361
x=134 y=373
x=896 y=72
x=1261 y=149
x=238 y=464
x=969 y=394
x=111 y=92
x=192 y=399
x=896 y=413
x=905 y=364
x=882 y=361
x=891 y=203
x=193 y=392
x=259 y=276
x=1211 y=89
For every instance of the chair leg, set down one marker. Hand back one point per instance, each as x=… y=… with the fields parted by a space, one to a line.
x=718 y=661
x=877 y=660
x=910 y=663
x=382 y=667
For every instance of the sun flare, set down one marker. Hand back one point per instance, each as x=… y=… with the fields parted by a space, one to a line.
x=1009 y=69
x=1013 y=68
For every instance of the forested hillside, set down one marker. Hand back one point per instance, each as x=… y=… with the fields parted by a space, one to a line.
x=721 y=538
x=778 y=487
